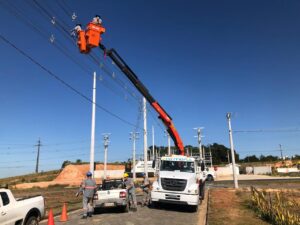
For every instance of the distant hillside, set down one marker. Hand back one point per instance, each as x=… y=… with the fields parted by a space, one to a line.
x=29 y=178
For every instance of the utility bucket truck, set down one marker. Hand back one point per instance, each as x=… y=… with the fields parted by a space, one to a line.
x=180 y=180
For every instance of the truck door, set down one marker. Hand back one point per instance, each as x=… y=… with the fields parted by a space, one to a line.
x=6 y=217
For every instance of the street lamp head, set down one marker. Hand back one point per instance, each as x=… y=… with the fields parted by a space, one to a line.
x=228 y=115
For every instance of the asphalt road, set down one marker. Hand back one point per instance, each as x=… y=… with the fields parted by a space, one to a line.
x=165 y=214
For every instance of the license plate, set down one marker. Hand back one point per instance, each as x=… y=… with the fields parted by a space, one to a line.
x=109 y=204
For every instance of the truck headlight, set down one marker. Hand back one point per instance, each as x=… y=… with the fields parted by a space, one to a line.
x=193 y=191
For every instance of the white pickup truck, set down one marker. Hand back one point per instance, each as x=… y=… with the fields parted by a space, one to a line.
x=180 y=181
x=210 y=173
x=23 y=211
x=112 y=193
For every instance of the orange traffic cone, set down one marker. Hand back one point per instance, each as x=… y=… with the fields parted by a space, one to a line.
x=64 y=214
x=50 y=218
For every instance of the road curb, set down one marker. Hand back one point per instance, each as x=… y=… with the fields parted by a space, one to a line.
x=202 y=218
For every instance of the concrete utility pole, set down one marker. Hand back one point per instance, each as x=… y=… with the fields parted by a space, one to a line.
x=92 y=151
x=133 y=136
x=211 y=164
x=203 y=152
x=105 y=142
x=228 y=157
x=280 y=149
x=153 y=149
x=145 y=138
x=228 y=116
x=169 y=142
x=199 y=140
x=38 y=156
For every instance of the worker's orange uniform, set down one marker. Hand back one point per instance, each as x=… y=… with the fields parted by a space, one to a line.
x=93 y=34
x=90 y=38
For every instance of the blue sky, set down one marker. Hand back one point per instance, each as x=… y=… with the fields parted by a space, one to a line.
x=199 y=59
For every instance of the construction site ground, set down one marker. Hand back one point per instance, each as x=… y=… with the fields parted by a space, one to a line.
x=151 y=216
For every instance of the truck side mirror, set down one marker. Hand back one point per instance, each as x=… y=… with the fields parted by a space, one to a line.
x=202 y=166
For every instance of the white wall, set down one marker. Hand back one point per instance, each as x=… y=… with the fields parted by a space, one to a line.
x=227 y=170
x=109 y=173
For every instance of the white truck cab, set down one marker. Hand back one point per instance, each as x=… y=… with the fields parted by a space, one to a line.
x=180 y=181
x=25 y=211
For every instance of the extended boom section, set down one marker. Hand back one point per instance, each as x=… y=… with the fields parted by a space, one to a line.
x=163 y=115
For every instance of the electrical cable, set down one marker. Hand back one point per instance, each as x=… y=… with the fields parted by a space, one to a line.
x=91 y=56
x=65 y=83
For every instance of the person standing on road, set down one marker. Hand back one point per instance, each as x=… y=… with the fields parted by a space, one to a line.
x=130 y=191
x=146 y=190
x=88 y=188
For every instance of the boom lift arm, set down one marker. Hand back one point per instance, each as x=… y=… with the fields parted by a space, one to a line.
x=91 y=38
x=166 y=119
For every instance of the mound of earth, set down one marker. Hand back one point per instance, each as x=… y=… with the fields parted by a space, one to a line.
x=71 y=175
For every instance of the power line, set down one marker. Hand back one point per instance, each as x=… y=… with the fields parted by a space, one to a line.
x=17 y=13
x=91 y=56
x=63 y=82
x=267 y=130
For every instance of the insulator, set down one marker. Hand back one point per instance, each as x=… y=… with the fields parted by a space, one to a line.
x=52 y=38
x=113 y=75
x=74 y=16
x=53 y=20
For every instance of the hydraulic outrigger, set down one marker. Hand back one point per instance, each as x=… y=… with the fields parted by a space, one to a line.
x=90 y=39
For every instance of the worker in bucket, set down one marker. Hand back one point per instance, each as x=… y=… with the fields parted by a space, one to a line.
x=130 y=191
x=87 y=188
x=146 y=190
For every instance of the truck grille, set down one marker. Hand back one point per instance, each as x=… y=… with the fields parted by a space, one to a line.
x=173 y=184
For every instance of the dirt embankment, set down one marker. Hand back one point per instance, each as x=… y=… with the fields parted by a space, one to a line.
x=71 y=175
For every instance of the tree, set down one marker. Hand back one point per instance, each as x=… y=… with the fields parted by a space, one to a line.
x=251 y=158
x=65 y=163
x=78 y=161
x=268 y=158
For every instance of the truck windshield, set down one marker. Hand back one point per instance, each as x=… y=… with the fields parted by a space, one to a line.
x=177 y=165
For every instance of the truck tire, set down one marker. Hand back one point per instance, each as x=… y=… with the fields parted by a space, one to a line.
x=126 y=208
x=202 y=191
x=32 y=221
x=194 y=208
x=154 y=204
x=210 y=178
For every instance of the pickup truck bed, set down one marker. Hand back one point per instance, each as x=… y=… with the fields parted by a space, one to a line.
x=111 y=193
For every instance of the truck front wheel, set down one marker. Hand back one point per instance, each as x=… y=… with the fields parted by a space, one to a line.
x=126 y=208
x=202 y=191
x=194 y=208
x=32 y=221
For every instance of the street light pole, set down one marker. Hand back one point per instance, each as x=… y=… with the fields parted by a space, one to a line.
x=169 y=142
x=199 y=140
x=145 y=138
x=133 y=137
x=105 y=142
x=228 y=116
x=92 y=150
